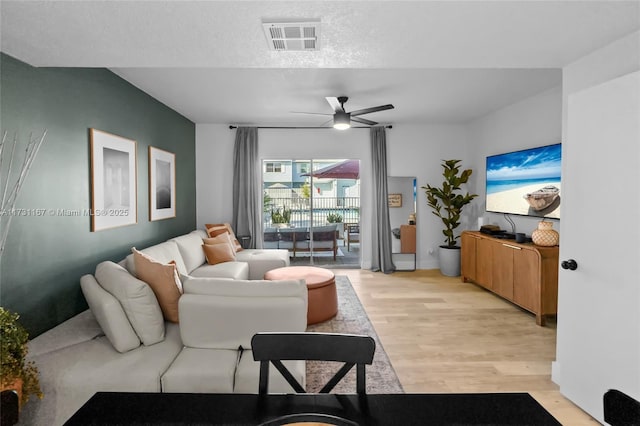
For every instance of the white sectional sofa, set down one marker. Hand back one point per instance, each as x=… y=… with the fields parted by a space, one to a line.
x=122 y=343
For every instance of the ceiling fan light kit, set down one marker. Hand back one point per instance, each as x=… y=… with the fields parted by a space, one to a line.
x=341 y=120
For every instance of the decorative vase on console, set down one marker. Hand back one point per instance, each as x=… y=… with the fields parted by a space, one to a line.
x=545 y=235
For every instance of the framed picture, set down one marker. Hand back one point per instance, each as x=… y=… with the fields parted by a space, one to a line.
x=114 y=194
x=395 y=200
x=162 y=184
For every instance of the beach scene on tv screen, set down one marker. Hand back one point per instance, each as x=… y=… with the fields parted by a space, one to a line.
x=525 y=182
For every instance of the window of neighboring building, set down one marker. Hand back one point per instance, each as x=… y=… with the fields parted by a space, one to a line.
x=303 y=168
x=274 y=167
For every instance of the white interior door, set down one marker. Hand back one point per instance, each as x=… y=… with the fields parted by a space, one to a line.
x=598 y=345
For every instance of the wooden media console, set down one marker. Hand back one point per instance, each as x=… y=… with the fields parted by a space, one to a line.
x=524 y=274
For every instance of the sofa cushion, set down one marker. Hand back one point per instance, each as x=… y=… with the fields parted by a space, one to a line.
x=247 y=375
x=246 y=288
x=235 y=310
x=71 y=375
x=234 y=270
x=200 y=233
x=137 y=300
x=190 y=247
x=109 y=314
x=80 y=328
x=201 y=371
x=164 y=253
x=262 y=261
x=163 y=280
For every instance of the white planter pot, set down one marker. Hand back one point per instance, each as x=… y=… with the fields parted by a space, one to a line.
x=450 y=261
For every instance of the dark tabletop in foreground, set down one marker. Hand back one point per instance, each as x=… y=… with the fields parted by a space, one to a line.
x=116 y=408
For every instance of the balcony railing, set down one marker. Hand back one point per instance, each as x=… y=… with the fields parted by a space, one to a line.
x=300 y=210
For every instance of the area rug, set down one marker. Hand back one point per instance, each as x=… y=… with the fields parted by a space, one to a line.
x=352 y=319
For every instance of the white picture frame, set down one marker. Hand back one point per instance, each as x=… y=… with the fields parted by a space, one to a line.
x=162 y=184
x=114 y=196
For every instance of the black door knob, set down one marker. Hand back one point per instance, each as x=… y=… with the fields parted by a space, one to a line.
x=569 y=264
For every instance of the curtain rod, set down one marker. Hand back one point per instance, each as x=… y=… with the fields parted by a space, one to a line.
x=231 y=127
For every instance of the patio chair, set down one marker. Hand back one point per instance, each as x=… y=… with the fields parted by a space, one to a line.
x=325 y=238
x=294 y=240
x=353 y=235
x=271 y=238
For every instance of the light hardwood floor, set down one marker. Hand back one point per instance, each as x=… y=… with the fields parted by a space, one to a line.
x=443 y=336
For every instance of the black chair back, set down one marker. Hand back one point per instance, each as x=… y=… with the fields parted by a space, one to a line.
x=9 y=408
x=353 y=350
x=620 y=409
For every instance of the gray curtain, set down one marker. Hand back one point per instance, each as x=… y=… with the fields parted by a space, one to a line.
x=246 y=185
x=381 y=229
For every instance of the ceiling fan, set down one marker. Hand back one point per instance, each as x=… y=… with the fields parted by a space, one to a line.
x=342 y=119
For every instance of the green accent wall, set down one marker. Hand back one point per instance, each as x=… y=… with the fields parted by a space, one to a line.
x=45 y=256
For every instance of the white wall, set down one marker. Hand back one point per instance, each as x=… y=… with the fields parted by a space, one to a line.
x=418 y=151
x=214 y=171
x=412 y=151
x=532 y=122
x=615 y=60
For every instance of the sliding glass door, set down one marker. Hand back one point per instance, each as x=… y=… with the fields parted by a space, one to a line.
x=312 y=208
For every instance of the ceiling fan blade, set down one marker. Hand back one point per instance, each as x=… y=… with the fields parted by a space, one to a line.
x=311 y=113
x=335 y=103
x=363 y=121
x=372 y=109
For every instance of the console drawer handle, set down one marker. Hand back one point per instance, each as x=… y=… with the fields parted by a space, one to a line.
x=513 y=247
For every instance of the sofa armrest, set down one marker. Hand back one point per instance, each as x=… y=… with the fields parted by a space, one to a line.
x=217 y=313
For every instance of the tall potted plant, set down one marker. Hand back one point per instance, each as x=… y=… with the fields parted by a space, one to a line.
x=17 y=373
x=447 y=202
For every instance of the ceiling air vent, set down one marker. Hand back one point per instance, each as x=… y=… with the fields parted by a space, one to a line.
x=298 y=35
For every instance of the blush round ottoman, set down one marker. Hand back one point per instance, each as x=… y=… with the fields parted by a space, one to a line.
x=321 y=283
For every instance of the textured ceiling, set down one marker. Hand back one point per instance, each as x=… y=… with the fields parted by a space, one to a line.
x=209 y=60
x=273 y=96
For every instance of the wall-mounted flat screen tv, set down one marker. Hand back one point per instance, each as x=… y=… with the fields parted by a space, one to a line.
x=525 y=182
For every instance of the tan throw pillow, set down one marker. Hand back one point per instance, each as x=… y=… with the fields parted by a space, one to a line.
x=164 y=281
x=216 y=230
x=221 y=239
x=216 y=226
x=218 y=253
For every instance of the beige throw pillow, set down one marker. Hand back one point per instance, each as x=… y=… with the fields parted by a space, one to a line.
x=136 y=298
x=163 y=280
x=109 y=314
